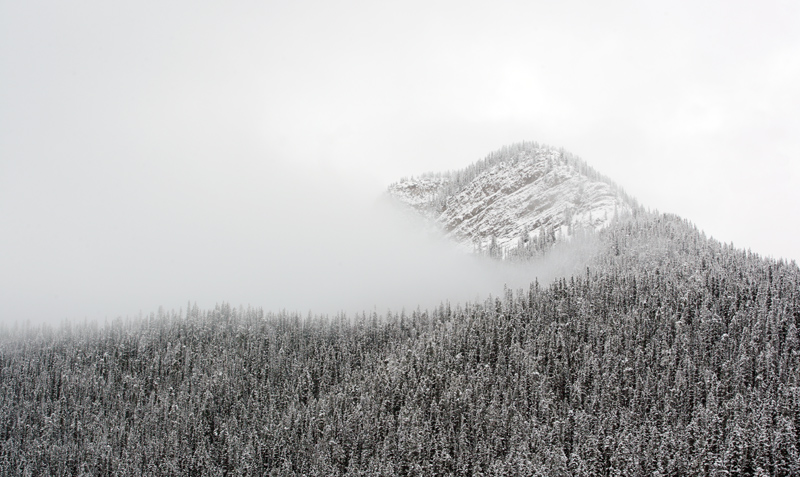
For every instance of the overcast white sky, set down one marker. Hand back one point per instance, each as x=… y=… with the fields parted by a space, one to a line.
x=153 y=153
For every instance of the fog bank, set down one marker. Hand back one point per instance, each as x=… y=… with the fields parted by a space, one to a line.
x=237 y=228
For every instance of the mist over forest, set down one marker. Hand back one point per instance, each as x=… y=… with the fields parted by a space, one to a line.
x=202 y=273
x=235 y=231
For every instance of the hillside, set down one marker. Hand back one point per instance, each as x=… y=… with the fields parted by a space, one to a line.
x=669 y=353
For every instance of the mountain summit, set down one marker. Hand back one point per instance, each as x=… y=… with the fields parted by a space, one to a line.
x=516 y=200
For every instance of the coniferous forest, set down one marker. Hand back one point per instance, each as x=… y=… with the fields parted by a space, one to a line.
x=669 y=354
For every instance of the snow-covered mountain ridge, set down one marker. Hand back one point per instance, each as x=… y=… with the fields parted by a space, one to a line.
x=524 y=195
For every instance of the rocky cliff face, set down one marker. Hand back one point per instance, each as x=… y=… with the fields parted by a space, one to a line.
x=520 y=196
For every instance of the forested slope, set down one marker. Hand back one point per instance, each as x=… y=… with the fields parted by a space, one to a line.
x=671 y=354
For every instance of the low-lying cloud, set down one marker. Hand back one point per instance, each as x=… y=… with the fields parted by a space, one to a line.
x=245 y=230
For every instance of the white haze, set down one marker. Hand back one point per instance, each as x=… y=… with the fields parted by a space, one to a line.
x=155 y=153
x=233 y=230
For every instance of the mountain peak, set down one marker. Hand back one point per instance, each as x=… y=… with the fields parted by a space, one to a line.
x=517 y=200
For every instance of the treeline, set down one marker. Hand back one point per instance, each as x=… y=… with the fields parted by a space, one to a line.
x=671 y=354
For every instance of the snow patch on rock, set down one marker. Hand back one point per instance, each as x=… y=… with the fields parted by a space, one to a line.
x=516 y=195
